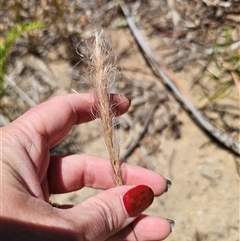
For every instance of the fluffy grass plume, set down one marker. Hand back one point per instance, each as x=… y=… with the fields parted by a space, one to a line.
x=103 y=73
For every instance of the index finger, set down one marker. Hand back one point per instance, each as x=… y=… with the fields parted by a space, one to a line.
x=54 y=118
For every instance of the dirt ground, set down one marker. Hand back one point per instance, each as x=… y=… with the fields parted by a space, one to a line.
x=204 y=197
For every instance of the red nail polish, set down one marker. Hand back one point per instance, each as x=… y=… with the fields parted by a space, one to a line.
x=137 y=199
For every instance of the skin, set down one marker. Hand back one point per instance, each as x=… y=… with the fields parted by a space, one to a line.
x=29 y=175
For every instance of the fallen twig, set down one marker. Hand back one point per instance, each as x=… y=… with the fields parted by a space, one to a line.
x=224 y=139
x=146 y=157
x=19 y=91
x=141 y=134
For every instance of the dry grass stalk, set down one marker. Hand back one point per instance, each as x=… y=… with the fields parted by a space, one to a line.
x=103 y=74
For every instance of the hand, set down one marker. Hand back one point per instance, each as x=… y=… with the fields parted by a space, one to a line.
x=29 y=175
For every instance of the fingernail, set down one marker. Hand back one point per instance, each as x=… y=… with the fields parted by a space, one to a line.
x=168 y=185
x=172 y=224
x=66 y=206
x=137 y=199
x=62 y=206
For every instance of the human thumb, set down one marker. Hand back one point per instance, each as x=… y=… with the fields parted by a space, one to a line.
x=102 y=215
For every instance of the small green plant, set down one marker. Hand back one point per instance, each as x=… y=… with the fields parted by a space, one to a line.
x=226 y=61
x=7 y=43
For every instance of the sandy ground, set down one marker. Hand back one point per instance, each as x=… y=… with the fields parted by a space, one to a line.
x=204 y=197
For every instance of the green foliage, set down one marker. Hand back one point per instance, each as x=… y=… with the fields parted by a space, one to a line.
x=6 y=45
x=226 y=61
x=228 y=33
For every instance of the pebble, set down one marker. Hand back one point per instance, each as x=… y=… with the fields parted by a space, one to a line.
x=207 y=172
